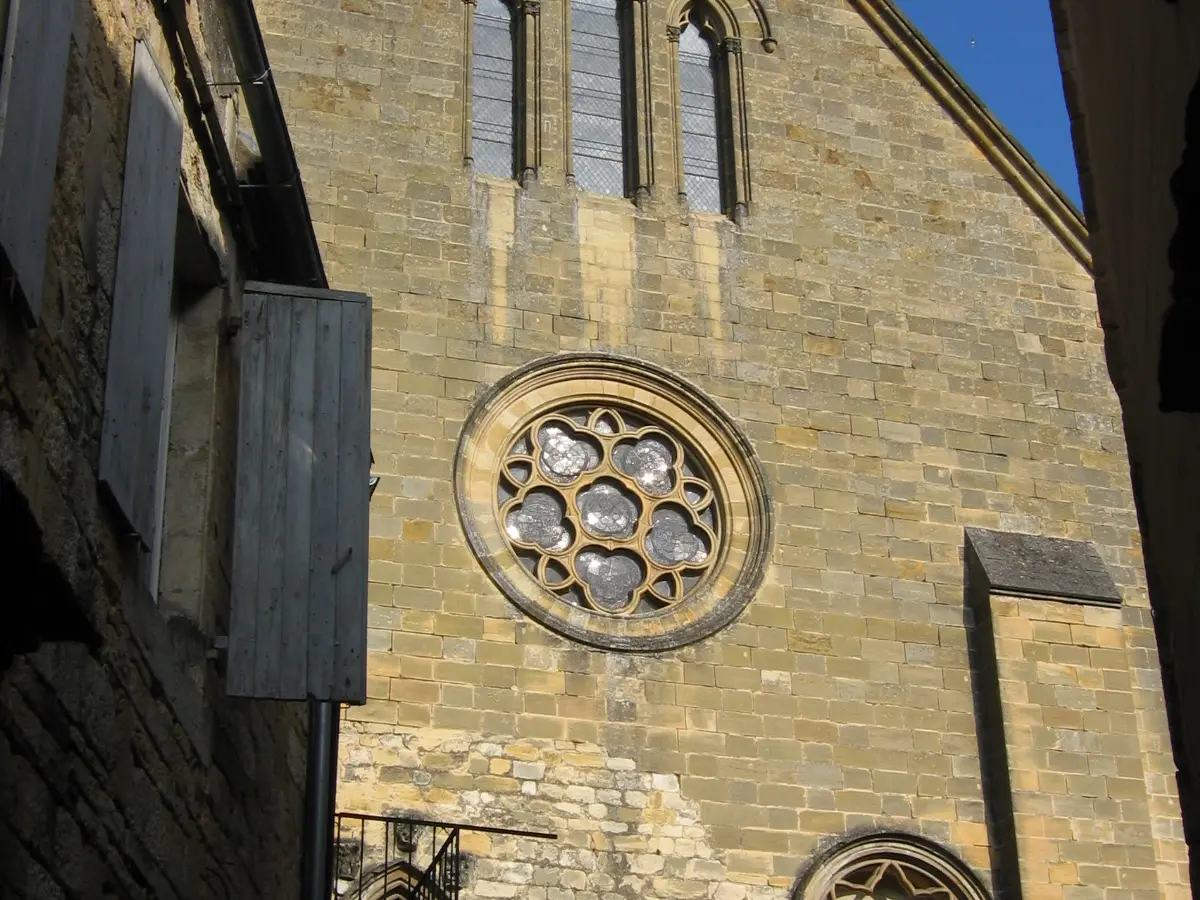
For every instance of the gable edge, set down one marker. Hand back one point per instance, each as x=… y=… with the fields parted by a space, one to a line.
x=1001 y=149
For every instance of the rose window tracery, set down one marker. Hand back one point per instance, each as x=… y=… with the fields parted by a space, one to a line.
x=889 y=879
x=613 y=502
x=608 y=509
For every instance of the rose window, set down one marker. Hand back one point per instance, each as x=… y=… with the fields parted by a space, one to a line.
x=612 y=502
x=608 y=510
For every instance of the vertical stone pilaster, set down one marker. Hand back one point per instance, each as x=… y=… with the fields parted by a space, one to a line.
x=1067 y=799
x=1080 y=806
x=1054 y=659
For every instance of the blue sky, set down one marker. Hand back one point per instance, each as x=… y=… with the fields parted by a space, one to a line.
x=1004 y=49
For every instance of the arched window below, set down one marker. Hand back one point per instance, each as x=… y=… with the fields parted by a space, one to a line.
x=700 y=118
x=888 y=866
x=493 y=89
x=598 y=97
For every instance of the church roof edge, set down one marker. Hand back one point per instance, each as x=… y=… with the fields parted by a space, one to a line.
x=1001 y=148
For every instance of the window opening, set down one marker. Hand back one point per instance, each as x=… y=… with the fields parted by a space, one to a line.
x=598 y=106
x=493 y=89
x=699 y=111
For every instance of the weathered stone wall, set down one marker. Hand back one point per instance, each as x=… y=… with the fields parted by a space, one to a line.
x=908 y=347
x=1091 y=770
x=124 y=771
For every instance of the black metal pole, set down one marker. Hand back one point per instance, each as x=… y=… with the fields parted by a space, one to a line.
x=319 y=793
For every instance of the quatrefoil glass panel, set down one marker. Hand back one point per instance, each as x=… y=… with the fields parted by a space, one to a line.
x=613 y=502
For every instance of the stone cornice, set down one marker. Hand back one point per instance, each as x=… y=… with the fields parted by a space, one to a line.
x=1013 y=160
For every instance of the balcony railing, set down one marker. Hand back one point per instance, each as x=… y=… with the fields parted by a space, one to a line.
x=398 y=858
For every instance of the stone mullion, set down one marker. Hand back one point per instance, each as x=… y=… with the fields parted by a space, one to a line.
x=568 y=149
x=740 y=163
x=676 y=107
x=468 y=80
x=530 y=145
x=643 y=174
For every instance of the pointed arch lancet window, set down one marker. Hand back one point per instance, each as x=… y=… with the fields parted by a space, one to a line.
x=598 y=105
x=700 y=115
x=709 y=112
x=493 y=89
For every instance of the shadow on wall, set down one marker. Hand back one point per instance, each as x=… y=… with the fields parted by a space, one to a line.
x=122 y=772
x=995 y=779
x=41 y=605
x=1179 y=364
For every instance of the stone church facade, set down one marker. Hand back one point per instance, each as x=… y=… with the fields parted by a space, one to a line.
x=708 y=399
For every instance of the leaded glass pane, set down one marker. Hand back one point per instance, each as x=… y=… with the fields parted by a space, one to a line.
x=614 y=507
x=492 y=93
x=698 y=112
x=597 y=117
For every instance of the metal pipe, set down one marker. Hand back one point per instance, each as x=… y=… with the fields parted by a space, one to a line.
x=270 y=129
x=197 y=103
x=320 y=793
x=175 y=15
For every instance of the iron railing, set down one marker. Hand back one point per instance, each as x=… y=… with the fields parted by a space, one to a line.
x=443 y=878
x=400 y=858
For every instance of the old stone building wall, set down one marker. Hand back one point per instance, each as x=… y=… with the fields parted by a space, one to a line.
x=909 y=348
x=124 y=770
x=1074 y=704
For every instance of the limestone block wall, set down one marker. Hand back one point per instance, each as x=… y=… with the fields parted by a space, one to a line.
x=1092 y=798
x=907 y=346
x=124 y=771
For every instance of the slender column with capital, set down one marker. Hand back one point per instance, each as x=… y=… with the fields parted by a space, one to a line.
x=530 y=92
x=676 y=118
x=468 y=79
x=643 y=142
x=568 y=148
x=731 y=47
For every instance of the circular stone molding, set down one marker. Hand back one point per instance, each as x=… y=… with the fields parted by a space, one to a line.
x=889 y=867
x=613 y=502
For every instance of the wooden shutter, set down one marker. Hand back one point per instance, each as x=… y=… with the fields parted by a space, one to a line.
x=138 y=343
x=298 y=625
x=31 y=108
